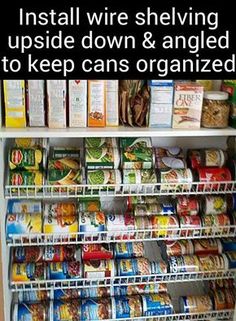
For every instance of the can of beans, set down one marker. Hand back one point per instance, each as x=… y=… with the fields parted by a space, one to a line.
x=231 y=256
x=64 y=270
x=215 y=223
x=26 y=158
x=31 y=311
x=169 y=152
x=180 y=247
x=102 y=158
x=91 y=142
x=135 y=266
x=164 y=225
x=190 y=225
x=96 y=309
x=166 y=163
x=104 y=177
x=154 y=209
x=60 y=209
x=157 y=304
x=134 y=179
x=184 y=263
x=92 y=222
x=180 y=179
x=23 y=206
x=213 y=262
x=97 y=251
x=33 y=296
x=214 y=204
x=65 y=294
x=128 y=250
x=196 y=304
x=120 y=226
x=126 y=307
x=99 y=269
x=18 y=178
x=26 y=272
x=96 y=292
x=124 y=290
x=187 y=205
x=66 y=310
x=212 y=175
x=221 y=284
x=228 y=244
x=67 y=224
x=207 y=246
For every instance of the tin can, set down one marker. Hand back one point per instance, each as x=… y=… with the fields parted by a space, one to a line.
x=126 y=307
x=31 y=142
x=134 y=178
x=64 y=270
x=231 y=256
x=213 y=262
x=65 y=177
x=221 y=284
x=92 y=222
x=64 y=163
x=184 y=263
x=181 y=178
x=212 y=175
x=123 y=290
x=64 y=224
x=59 y=253
x=231 y=165
x=219 y=299
x=89 y=204
x=96 y=292
x=57 y=152
x=65 y=294
x=31 y=311
x=91 y=142
x=104 y=177
x=121 y=226
x=24 y=206
x=26 y=178
x=60 y=209
x=163 y=225
x=190 y=225
x=33 y=296
x=143 y=227
x=231 y=202
x=24 y=223
x=167 y=163
x=215 y=223
x=206 y=158
x=194 y=158
x=138 y=158
x=214 y=204
x=96 y=309
x=92 y=251
x=196 y=304
x=99 y=269
x=26 y=158
x=135 y=266
x=228 y=244
x=25 y=272
x=66 y=310
x=187 y=205
x=157 y=304
x=180 y=247
x=134 y=200
x=27 y=254
x=133 y=143
x=128 y=250
x=158 y=267
x=169 y=152
x=154 y=209
x=207 y=246
x=102 y=158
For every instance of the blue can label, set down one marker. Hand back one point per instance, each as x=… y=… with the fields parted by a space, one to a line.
x=232 y=259
x=228 y=244
x=127 y=307
x=60 y=294
x=156 y=304
x=139 y=289
x=128 y=250
x=32 y=312
x=66 y=310
x=23 y=206
x=129 y=267
x=95 y=309
x=64 y=270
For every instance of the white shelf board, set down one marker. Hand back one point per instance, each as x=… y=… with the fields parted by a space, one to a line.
x=114 y=132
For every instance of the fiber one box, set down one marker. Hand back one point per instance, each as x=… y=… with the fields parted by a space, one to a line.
x=112 y=100
x=35 y=102
x=77 y=103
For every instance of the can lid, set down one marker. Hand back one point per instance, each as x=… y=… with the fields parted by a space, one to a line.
x=216 y=95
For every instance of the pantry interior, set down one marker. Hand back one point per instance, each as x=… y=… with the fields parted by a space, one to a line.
x=193 y=284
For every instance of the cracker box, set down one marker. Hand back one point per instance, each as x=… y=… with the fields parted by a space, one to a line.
x=56 y=99
x=14 y=101
x=77 y=103
x=96 y=103
x=112 y=110
x=188 y=99
x=35 y=102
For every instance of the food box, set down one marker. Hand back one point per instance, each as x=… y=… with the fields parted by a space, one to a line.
x=188 y=100
x=56 y=103
x=14 y=101
x=112 y=110
x=36 y=102
x=96 y=103
x=77 y=103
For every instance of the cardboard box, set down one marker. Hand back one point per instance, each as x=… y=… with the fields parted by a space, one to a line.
x=56 y=103
x=112 y=99
x=96 y=103
x=188 y=100
x=77 y=103
x=35 y=102
x=14 y=101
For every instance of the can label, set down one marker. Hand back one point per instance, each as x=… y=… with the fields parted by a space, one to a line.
x=125 y=290
x=221 y=284
x=138 y=158
x=66 y=310
x=64 y=270
x=23 y=206
x=181 y=177
x=213 y=263
x=196 y=304
x=99 y=309
x=24 y=223
x=60 y=224
x=128 y=250
x=102 y=158
x=131 y=176
x=135 y=266
x=96 y=269
x=214 y=158
x=157 y=304
x=66 y=294
x=95 y=292
x=64 y=163
x=117 y=224
x=193 y=222
x=215 y=205
x=62 y=152
x=97 y=251
x=133 y=143
x=219 y=298
x=163 y=225
x=91 y=142
x=60 y=209
x=166 y=163
x=207 y=246
x=211 y=222
x=187 y=205
x=28 y=254
x=64 y=177
x=58 y=253
x=24 y=272
x=26 y=158
x=186 y=263
x=134 y=200
x=194 y=159
x=231 y=256
x=228 y=244
x=154 y=209
x=127 y=307
x=33 y=296
x=32 y=311
x=92 y=222
x=169 y=152
x=211 y=175
x=181 y=247
x=89 y=205
x=33 y=178
x=104 y=177
x=158 y=267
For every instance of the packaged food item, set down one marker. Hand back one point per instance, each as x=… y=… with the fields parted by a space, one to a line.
x=92 y=222
x=154 y=209
x=88 y=204
x=99 y=142
x=141 y=224
x=159 y=267
x=36 y=102
x=92 y=251
x=99 y=269
x=210 y=157
x=96 y=292
x=65 y=294
x=123 y=290
x=188 y=97
x=133 y=266
x=132 y=143
x=26 y=178
x=175 y=152
x=96 y=103
x=179 y=179
x=112 y=99
x=31 y=142
x=57 y=152
x=96 y=309
x=134 y=200
x=164 y=225
x=27 y=254
x=64 y=270
x=128 y=250
x=166 y=163
x=231 y=256
x=66 y=310
x=196 y=304
x=214 y=204
x=31 y=311
x=207 y=246
x=207 y=84
x=56 y=103
x=65 y=177
x=187 y=205
x=77 y=90
x=121 y=226
x=228 y=244
x=231 y=165
x=126 y=307
x=102 y=158
x=229 y=86
x=26 y=272
x=215 y=110
x=212 y=176
x=216 y=224
x=219 y=299
x=104 y=177
x=138 y=158
x=157 y=304
x=59 y=253
x=67 y=224
x=14 y=102
x=184 y=263
x=210 y=262
x=60 y=209
x=180 y=247
x=33 y=296
x=135 y=178
x=190 y=225
x=17 y=206
x=64 y=164
x=221 y=284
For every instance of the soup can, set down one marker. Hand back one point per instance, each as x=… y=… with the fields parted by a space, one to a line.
x=212 y=176
x=134 y=179
x=104 y=177
x=121 y=226
x=213 y=262
x=64 y=270
x=102 y=158
x=157 y=304
x=23 y=206
x=66 y=310
x=180 y=247
x=143 y=227
x=196 y=304
x=187 y=205
x=92 y=251
x=159 y=267
x=190 y=225
x=99 y=269
x=96 y=309
x=164 y=225
x=228 y=244
x=123 y=290
x=135 y=266
x=154 y=209
x=60 y=253
x=33 y=296
x=176 y=179
x=65 y=294
x=169 y=152
x=215 y=224
x=207 y=246
x=128 y=250
x=126 y=307
x=214 y=204
x=92 y=222
x=26 y=272
x=31 y=311
x=211 y=157
x=184 y=263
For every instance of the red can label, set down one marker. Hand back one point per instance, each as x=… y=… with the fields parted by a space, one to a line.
x=97 y=252
x=211 y=175
x=58 y=253
x=181 y=247
x=187 y=205
x=195 y=159
x=190 y=225
x=207 y=246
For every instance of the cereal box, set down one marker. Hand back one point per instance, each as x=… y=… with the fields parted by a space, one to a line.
x=56 y=99
x=14 y=100
x=96 y=103
x=35 y=102
x=187 y=105
x=77 y=103
x=112 y=110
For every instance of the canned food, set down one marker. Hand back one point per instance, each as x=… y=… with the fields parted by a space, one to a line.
x=91 y=222
x=219 y=299
x=154 y=209
x=157 y=304
x=89 y=205
x=196 y=304
x=126 y=307
x=65 y=177
x=164 y=225
x=231 y=256
x=231 y=165
x=65 y=294
x=207 y=246
x=60 y=209
x=104 y=177
x=120 y=226
x=134 y=178
x=215 y=223
x=214 y=204
x=59 y=253
x=31 y=311
x=158 y=267
x=24 y=272
x=207 y=158
x=102 y=251
x=166 y=163
x=124 y=290
x=184 y=263
x=190 y=225
x=128 y=250
x=228 y=244
x=231 y=202
x=99 y=269
x=64 y=270
x=143 y=223
x=135 y=266
x=31 y=142
x=64 y=164
x=169 y=152
x=26 y=178
x=102 y=158
x=134 y=200
x=91 y=142
x=133 y=143
x=212 y=175
x=221 y=284
x=95 y=292
x=24 y=206
x=213 y=262
x=27 y=254
x=66 y=310
x=138 y=158
x=187 y=205
x=26 y=158
x=67 y=224
x=65 y=152
x=24 y=223
x=182 y=179
x=180 y=247
x=33 y=296
x=96 y=309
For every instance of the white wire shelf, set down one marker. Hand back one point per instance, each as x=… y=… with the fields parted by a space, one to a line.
x=122 y=280
x=159 y=189
x=166 y=233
